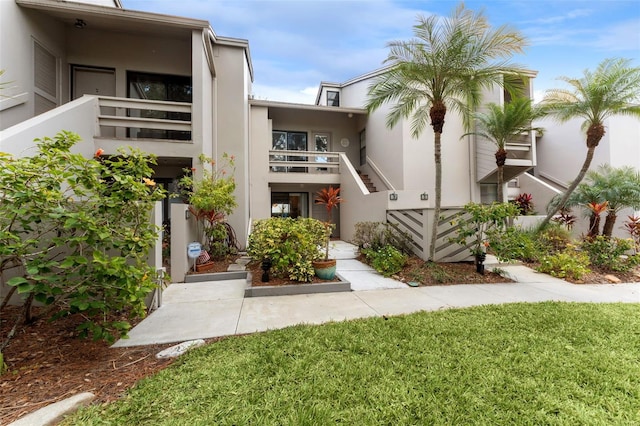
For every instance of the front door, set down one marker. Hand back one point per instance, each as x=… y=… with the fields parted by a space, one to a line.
x=95 y=81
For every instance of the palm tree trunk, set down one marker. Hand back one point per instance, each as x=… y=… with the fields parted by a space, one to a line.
x=436 y=211
x=594 y=225
x=607 y=229
x=572 y=187
x=501 y=184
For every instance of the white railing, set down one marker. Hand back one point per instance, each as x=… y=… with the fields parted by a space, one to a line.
x=144 y=114
x=281 y=161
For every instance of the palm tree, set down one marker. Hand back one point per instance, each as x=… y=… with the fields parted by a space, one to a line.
x=619 y=186
x=501 y=124
x=445 y=66
x=611 y=89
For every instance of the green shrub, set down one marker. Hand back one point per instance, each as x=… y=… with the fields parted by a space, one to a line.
x=554 y=238
x=78 y=229
x=387 y=260
x=565 y=264
x=375 y=235
x=514 y=244
x=291 y=245
x=608 y=253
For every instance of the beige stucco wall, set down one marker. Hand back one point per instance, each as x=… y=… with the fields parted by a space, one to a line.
x=232 y=125
x=18 y=31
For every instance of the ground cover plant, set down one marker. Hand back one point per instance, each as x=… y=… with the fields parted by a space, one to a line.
x=548 y=363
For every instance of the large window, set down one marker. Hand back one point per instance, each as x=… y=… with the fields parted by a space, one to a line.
x=290 y=204
x=159 y=87
x=289 y=141
x=333 y=98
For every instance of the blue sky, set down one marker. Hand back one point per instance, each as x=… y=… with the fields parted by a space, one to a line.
x=296 y=44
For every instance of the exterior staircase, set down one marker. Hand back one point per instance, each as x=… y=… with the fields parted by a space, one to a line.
x=367 y=182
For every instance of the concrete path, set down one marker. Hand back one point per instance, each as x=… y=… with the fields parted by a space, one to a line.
x=217 y=308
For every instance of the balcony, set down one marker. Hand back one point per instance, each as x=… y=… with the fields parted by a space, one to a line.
x=304 y=167
x=162 y=127
x=521 y=157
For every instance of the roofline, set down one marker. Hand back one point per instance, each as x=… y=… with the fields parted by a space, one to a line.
x=290 y=105
x=237 y=42
x=134 y=15
x=377 y=72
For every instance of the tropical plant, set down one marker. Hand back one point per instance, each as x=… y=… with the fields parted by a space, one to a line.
x=612 y=89
x=632 y=226
x=291 y=245
x=608 y=253
x=569 y=263
x=444 y=67
x=387 y=260
x=503 y=123
x=596 y=209
x=75 y=234
x=484 y=218
x=330 y=198
x=378 y=234
x=524 y=202
x=619 y=186
x=211 y=199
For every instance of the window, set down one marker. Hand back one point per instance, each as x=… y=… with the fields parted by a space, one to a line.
x=289 y=141
x=159 y=87
x=333 y=98
x=45 y=79
x=363 y=147
x=322 y=145
x=290 y=204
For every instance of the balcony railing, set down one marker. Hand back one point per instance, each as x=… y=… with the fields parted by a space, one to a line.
x=281 y=161
x=144 y=119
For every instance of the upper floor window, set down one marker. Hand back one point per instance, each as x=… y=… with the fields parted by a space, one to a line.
x=159 y=87
x=333 y=98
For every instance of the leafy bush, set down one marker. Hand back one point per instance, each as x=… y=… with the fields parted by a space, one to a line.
x=554 y=238
x=79 y=230
x=375 y=235
x=484 y=218
x=291 y=245
x=514 y=244
x=608 y=253
x=387 y=260
x=565 y=264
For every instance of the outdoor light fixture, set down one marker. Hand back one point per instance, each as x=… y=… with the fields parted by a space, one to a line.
x=80 y=24
x=424 y=196
x=186 y=215
x=393 y=196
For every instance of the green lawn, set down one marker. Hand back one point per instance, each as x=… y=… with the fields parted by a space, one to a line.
x=548 y=363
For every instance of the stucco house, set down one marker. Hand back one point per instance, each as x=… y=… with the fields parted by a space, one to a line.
x=173 y=87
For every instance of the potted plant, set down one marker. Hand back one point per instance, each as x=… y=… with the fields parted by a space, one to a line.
x=210 y=200
x=330 y=198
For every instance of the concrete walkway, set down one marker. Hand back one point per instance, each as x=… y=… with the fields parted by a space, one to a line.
x=218 y=308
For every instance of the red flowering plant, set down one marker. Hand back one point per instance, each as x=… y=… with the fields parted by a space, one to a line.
x=330 y=198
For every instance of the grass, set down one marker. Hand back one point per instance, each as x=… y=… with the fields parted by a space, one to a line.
x=547 y=363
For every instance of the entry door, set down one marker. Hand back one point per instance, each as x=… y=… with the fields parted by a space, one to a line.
x=95 y=81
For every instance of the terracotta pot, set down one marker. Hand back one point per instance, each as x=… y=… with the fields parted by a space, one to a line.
x=325 y=269
x=204 y=267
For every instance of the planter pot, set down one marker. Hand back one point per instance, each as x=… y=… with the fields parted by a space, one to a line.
x=325 y=269
x=204 y=267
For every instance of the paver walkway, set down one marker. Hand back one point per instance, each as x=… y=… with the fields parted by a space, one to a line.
x=218 y=308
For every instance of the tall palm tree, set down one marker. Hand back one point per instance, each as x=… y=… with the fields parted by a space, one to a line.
x=613 y=88
x=444 y=67
x=501 y=124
